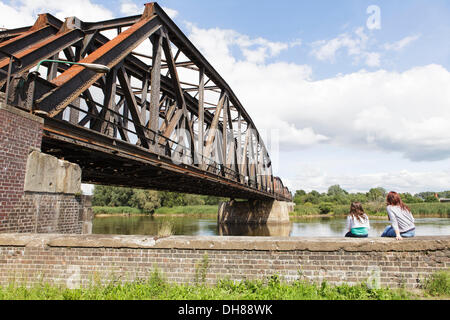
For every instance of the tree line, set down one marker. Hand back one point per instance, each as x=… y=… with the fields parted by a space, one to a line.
x=147 y=200
x=337 y=195
x=150 y=200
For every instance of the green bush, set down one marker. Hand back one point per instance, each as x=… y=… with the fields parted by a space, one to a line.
x=438 y=284
x=431 y=199
x=325 y=208
x=146 y=200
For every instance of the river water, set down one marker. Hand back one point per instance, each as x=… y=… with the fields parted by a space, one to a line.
x=207 y=226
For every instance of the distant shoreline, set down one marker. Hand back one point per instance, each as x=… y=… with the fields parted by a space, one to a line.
x=375 y=211
x=292 y=217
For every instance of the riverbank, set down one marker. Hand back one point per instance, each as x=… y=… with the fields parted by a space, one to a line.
x=163 y=211
x=374 y=210
x=273 y=288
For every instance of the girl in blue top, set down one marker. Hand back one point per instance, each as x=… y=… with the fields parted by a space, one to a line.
x=357 y=222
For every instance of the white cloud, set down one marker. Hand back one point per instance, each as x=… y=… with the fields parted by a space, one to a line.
x=171 y=12
x=295 y=43
x=11 y=17
x=221 y=42
x=258 y=84
x=399 y=45
x=355 y=45
x=373 y=59
x=314 y=178
x=24 y=12
x=404 y=112
x=264 y=48
x=131 y=8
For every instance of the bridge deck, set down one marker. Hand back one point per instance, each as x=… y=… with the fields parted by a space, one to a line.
x=114 y=162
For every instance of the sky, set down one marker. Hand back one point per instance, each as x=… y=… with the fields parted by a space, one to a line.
x=355 y=92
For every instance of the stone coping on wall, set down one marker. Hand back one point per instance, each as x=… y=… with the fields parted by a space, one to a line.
x=227 y=243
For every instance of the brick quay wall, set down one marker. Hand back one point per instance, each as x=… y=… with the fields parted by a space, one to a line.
x=77 y=260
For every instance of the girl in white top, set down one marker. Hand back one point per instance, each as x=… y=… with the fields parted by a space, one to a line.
x=357 y=222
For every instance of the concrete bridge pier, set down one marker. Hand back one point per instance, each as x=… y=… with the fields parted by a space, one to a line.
x=38 y=192
x=262 y=212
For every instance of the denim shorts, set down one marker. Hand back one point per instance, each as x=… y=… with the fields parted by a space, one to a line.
x=390 y=232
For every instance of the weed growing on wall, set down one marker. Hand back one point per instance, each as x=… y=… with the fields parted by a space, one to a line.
x=201 y=270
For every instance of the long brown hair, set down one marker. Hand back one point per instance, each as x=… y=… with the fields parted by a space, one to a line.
x=357 y=211
x=393 y=199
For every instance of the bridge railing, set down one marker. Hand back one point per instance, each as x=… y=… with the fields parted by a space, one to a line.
x=179 y=152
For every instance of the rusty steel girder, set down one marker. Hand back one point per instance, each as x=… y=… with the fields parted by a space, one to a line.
x=160 y=119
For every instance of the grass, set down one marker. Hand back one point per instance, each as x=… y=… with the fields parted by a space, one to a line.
x=157 y=288
x=376 y=209
x=430 y=208
x=116 y=210
x=438 y=284
x=306 y=210
x=199 y=209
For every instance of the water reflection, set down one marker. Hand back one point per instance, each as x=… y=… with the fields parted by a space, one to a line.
x=207 y=226
x=269 y=230
x=335 y=227
x=148 y=225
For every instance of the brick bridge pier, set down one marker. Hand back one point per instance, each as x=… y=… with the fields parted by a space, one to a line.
x=38 y=193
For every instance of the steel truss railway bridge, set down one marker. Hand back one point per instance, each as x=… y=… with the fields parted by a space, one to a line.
x=160 y=119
